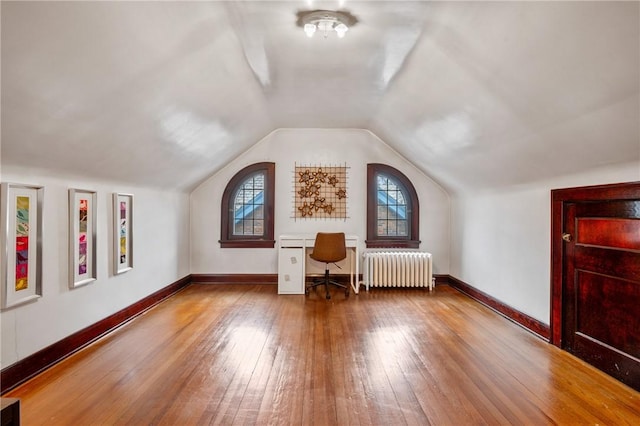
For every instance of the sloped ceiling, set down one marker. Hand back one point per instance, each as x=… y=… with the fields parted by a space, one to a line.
x=476 y=94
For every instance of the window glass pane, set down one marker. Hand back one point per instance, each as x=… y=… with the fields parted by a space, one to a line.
x=402 y=228
x=382 y=183
x=383 y=212
x=383 y=197
x=392 y=208
x=258 y=213
x=239 y=200
x=238 y=228
x=248 y=206
x=392 y=227
x=258 y=182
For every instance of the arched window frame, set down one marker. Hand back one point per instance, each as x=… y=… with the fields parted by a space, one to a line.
x=266 y=240
x=412 y=240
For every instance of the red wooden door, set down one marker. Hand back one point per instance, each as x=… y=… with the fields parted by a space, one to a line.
x=601 y=285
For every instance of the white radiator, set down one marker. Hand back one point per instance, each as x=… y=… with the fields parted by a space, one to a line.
x=397 y=269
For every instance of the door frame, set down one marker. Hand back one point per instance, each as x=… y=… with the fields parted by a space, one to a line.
x=560 y=199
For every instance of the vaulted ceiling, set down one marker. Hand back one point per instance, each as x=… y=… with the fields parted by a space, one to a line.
x=475 y=94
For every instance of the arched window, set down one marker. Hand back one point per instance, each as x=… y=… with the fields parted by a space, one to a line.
x=392 y=209
x=247 y=208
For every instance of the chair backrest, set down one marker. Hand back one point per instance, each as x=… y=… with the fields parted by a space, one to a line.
x=329 y=247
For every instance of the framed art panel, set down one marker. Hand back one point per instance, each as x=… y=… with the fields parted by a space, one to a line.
x=320 y=192
x=82 y=237
x=122 y=232
x=21 y=219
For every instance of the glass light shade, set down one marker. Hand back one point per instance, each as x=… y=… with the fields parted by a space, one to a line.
x=309 y=29
x=341 y=29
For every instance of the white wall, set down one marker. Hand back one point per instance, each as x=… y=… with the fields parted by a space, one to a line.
x=291 y=147
x=161 y=256
x=500 y=240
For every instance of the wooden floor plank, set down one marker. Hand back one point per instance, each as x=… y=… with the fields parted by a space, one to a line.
x=241 y=354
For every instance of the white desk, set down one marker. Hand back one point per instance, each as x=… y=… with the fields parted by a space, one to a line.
x=292 y=262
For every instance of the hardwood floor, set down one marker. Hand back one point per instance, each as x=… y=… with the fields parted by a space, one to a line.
x=241 y=354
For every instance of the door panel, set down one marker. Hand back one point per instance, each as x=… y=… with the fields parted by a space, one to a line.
x=605 y=307
x=617 y=263
x=601 y=290
x=613 y=233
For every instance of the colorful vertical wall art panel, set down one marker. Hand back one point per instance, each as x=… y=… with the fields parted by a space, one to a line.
x=320 y=192
x=22 y=243
x=21 y=218
x=82 y=237
x=122 y=232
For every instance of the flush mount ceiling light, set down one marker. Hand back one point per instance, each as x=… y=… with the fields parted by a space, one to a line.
x=325 y=21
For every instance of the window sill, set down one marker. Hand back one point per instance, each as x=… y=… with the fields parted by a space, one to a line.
x=393 y=244
x=247 y=243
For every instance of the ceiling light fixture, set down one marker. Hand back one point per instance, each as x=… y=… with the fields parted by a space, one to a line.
x=325 y=21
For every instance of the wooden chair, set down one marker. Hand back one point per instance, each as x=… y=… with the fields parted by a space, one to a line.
x=328 y=248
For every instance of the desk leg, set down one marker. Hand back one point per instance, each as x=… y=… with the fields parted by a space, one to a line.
x=357 y=261
x=353 y=270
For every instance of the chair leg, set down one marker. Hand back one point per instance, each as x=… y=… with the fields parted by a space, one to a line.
x=326 y=283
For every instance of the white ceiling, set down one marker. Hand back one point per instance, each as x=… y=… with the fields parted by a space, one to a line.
x=476 y=94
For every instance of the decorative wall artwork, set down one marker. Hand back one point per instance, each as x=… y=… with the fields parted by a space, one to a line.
x=82 y=237
x=122 y=232
x=320 y=192
x=21 y=219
